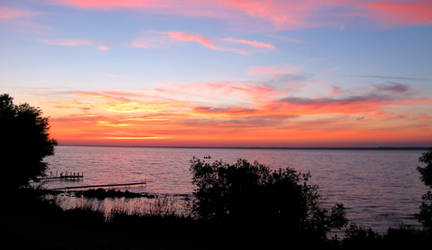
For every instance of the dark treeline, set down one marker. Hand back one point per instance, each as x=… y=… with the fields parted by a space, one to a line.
x=242 y=205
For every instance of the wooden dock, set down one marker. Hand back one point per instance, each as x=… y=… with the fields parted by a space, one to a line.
x=100 y=186
x=66 y=176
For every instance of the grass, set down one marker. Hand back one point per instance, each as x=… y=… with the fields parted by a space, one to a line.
x=32 y=222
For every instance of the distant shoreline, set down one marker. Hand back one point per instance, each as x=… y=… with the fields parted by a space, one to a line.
x=260 y=148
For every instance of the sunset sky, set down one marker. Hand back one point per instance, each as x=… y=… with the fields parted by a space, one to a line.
x=279 y=73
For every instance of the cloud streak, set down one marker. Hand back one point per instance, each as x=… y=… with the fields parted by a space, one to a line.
x=76 y=43
x=250 y=43
x=394 y=87
x=187 y=37
x=166 y=39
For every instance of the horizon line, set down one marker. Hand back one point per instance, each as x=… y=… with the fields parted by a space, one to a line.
x=258 y=147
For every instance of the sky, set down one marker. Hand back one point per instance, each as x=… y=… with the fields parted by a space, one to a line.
x=240 y=73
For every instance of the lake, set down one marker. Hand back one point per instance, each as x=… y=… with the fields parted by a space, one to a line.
x=379 y=188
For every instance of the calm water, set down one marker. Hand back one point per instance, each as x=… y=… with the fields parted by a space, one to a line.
x=380 y=188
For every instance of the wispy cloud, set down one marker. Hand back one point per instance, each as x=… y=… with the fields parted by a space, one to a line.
x=287 y=39
x=76 y=43
x=165 y=39
x=250 y=43
x=13 y=13
x=394 y=87
x=187 y=37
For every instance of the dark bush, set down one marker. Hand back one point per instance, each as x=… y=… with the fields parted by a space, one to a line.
x=252 y=195
x=356 y=237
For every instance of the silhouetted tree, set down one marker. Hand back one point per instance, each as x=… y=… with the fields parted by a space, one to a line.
x=425 y=215
x=251 y=194
x=24 y=142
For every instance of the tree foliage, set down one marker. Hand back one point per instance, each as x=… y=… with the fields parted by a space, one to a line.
x=425 y=215
x=24 y=142
x=250 y=193
x=426 y=172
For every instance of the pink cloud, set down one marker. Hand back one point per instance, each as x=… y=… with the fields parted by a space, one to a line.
x=251 y=43
x=9 y=13
x=402 y=13
x=187 y=37
x=299 y=14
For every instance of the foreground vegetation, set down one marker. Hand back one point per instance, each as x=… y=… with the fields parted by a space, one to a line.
x=239 y=205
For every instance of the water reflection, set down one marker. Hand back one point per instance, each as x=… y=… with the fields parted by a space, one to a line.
x=161 y=205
